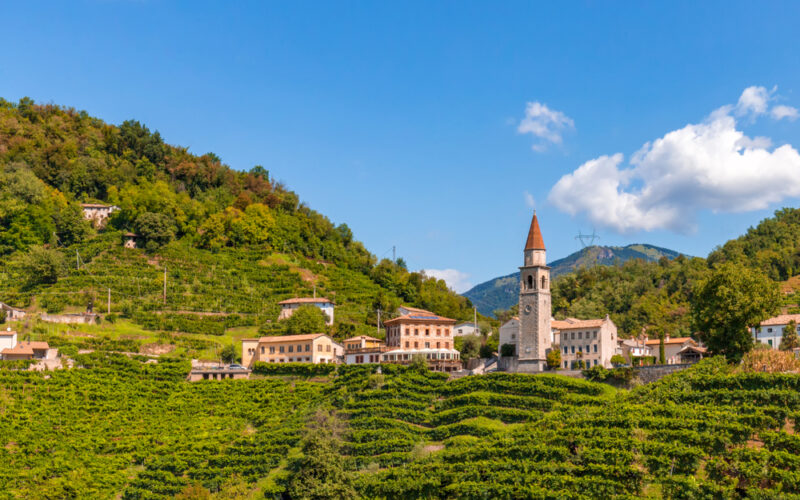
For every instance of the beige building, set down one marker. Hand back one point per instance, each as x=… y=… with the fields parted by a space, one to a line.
x=217 y=373
x=129 y=240
x=509 y=334
x=770 y=331
x=288 y=307
x=12 y=313
x=8 y=339
x=308 y=348
x=672 y=348
x=593 y=341
x=363 y=349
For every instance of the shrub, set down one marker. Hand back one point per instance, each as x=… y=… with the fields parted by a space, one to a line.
x=770 y=361
x=617 y=360
x=554 y=358
x=299 y=369
x=508 y=350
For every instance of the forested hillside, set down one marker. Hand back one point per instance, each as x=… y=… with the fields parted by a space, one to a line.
x=232 y=242
x=503 y=292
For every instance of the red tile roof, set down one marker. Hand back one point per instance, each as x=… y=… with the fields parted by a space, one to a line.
x=6 y=333
x=535 y=240
x=306 y=300
x=575 y=324
x=782 y=319
x=361 y=337
x=667 y=341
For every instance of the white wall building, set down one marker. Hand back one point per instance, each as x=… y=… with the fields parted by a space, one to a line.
x=288 y=307
x=770 y=331
x=8 y=339
x=592 y=341
x=463 y=329
x=509 y=334
x=12 y=313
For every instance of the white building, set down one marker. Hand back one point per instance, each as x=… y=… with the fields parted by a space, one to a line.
x=8 y=339
x=98 y=213
x=770 y=331
x=463 y=329
x=288 y=307
x=509 y=334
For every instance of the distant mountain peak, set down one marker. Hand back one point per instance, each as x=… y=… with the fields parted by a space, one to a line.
x=502 y=292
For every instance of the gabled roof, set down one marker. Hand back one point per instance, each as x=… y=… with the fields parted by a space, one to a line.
x=26 y=348
x=6 y=333
x=415 y=310
x=575 y=324
x=782 y=319
x=95 y=205
x=419 y=317
x=306 y=300
x=535 y=240
x=291 y=338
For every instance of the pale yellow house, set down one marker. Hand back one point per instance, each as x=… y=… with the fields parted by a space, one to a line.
x=592 y=341
x=308 y=348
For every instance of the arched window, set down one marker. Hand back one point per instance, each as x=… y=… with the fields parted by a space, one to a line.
x=530 y=282
x=544 y=282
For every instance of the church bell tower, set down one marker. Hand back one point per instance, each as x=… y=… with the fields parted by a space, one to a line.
x=534 y=304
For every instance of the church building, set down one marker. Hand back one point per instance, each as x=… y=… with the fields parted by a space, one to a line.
x=534 y=304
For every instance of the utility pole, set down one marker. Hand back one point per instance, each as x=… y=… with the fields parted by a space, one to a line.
x=165 y=285
x=315 y=290
x=77 y=260
x=108 y=310
x=378 y=330
x=394 y=253
x=475 y=318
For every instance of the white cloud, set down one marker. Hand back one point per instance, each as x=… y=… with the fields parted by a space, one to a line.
x=781 y=112
x=705 y=166
x=544 y=123
x=530 y=201
x=455 y=279
x=754 y=100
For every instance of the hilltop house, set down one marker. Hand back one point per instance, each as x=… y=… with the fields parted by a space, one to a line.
x=592 y=341
x=289 y=306
x=12 y=313
x=8 y=339
x=98 y=213
x=307 y=348
x=770 y=331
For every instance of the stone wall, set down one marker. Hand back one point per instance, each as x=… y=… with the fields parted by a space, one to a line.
x=647 y=374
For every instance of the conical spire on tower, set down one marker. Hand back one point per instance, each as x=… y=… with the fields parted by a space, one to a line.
x=535 y=240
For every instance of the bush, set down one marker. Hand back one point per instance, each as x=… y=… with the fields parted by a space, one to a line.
x=770 y=361
x=306 y=319
x=617 y=360
x=554 y=358
x=299 y=369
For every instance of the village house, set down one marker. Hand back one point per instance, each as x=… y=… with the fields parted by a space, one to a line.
x=674 y=348
x=509 y=334
x=420 y=332
x=98 y=213
x=463 y=329
x=308 y=348
x=288 y=307
x=592 y=341
x=770 y=331
x=12 y=313
x=363 y=349
x=632 y=349
x=129 y=240
x=29 y=350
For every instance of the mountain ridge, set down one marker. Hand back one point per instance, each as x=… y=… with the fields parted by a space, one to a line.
x=501 y=293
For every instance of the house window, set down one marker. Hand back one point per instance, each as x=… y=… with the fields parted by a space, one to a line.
x=271 y=349
x=460 y=330
x=544 y=282
x=437 y=345
x=769 y=330
x=530 y=282
x=407 y=345
x=281 y=349
x=580 y=335
x=573 y=349
x=262 y=349
x=587 y=348
x=416 y=345
x=770 y=342
x=572 y=336
x=408 y=332
x=427 y=332
x=308 y=347
x=427 y=345
x=595 y=348
x=566 y=350
x=447 y=345
x=328 y=348
x=513 y=336
x=438 y=332
x=319 y=347
x=447 y=332
x=291 y=348
x=416 y=331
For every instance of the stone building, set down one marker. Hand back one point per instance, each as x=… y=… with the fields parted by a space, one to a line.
x=534 y=304
x=12 y=313
x=98 y=213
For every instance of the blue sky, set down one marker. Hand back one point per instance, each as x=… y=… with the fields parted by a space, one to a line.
x=403 y=119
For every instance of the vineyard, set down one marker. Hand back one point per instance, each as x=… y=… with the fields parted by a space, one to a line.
x=121 y=427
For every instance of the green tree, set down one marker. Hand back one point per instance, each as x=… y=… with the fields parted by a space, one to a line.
x=724 y=305
x=789 y=339
x=470 y=346
x=617 y=360
x=554 y=357
x=228 y=354
x=306 y=319
x=662 y=355
x=155 y=230
x=419 y=363
x=41 y=265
